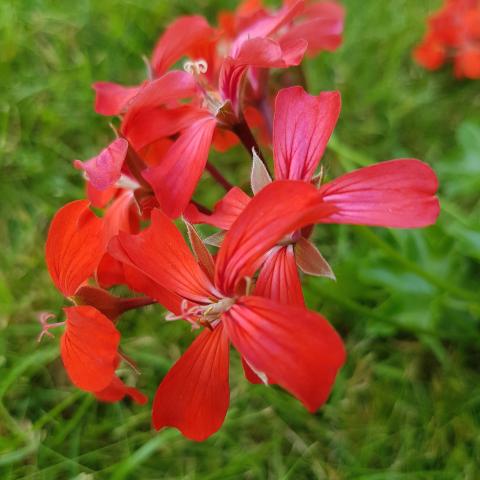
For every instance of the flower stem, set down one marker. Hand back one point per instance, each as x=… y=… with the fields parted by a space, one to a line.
x=201 y=208
x=243 y=132
x=136 y=166
x=216 y=175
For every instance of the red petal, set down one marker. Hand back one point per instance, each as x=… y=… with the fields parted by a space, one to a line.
x=156 y=124
x=75 y=245
x=225 y=212
x=180 y=38
x=430 y=54
x=250 y=375
x=171 y=87
x=322 y=27
x=112 y=272
x=122 y=216
x=224 y=140
x=112 y=98
x=276 y=211
x=292 y=346
x=109 y=272
x=267 y=25
x=260 y=53
x=302 y=126
x=140 y=283
x=194 y=395
x=100 y=198
x=398 y=193
x=278 y=279
x=467 y=63
x=117 y=391
x=160 y=252
x=175 y=179
x=105 y=169
x=89 y=348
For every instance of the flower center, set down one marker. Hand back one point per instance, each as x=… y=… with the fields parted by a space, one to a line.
x=202 y=315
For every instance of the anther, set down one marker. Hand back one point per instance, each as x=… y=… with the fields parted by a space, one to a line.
x=196 y=67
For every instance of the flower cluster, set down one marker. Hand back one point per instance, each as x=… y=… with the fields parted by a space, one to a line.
x=453 y=34
x=248 y=292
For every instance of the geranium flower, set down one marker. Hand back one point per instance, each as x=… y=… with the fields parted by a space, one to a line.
x=397 y=193
x=89 y=346
x=453 y=34
x=284 y=344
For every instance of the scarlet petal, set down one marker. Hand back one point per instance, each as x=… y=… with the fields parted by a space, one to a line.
x=467 y=63
x=295 y=348
x=225 y=212
x=322 y=27
x=278 y=279
x=276 y=211
x=112 y=98
x=261 y=53
x=140 y=283
x=267 y=25
x=194 y=395
x=170 y=87
x=117 y=391
x=182 y=36
x=105 y=169
x=89 y=348
x=75 y=245
x=160 y=252
x=302 y=126
x=250 y=375
x=175 y=179
x=430 y=54
x=397 y=193
x=100 y=198
x=122 y=215
x=223 y=140
x=152 y=125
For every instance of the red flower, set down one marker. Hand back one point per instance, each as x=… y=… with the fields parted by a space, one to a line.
x=302 y=356
x=221 y=92
x=89 y=346
x=453 y=33
x=398 y=193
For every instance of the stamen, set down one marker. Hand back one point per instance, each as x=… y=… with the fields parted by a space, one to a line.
x=43 y=318
x=196 y=67
x=201 y=315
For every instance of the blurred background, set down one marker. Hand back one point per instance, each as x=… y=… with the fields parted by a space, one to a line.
x=406 y=405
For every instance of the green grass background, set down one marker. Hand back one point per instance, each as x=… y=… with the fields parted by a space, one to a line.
x=406 y=405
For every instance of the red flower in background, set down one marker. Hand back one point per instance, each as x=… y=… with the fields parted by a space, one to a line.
x=453 y=34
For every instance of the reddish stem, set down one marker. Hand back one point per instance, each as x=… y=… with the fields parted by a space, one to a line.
x=201 y=208
x=243 y=132
x=215 y=173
